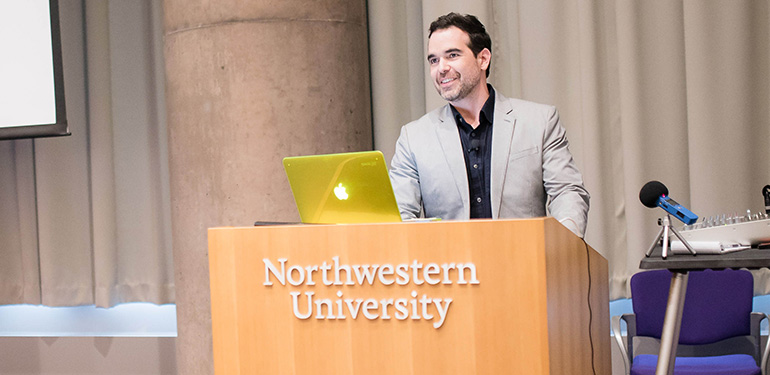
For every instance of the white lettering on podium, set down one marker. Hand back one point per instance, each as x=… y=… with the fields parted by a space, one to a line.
x=270 y=269
x=383 y=273
x=432 y=273
x=461 y=267
x=425 y=308
x=338 y=268
x=372 y=309
x=430 y=270
x=295 y=305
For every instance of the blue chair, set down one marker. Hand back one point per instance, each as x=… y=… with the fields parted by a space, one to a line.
x=719 y=334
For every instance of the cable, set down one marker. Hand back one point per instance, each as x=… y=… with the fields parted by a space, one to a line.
x=590 y=311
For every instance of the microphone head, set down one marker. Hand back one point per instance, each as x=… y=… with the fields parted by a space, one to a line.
x=650 y=193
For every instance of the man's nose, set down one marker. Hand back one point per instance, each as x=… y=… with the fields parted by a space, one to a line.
x=443 y=67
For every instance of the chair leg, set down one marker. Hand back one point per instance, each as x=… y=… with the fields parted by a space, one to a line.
x=621 y=345
x=765 y=355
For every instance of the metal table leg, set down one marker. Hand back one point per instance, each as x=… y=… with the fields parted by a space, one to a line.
x=669 y=339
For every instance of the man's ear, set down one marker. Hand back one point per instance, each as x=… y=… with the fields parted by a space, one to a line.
x=483 y=58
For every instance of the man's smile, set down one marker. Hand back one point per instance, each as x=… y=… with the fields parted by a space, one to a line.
x=446 y=81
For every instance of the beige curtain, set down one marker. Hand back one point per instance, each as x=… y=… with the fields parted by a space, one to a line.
x=85 y=219
x=667 y=90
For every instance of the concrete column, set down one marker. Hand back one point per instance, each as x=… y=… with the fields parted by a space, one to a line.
x=248 y=83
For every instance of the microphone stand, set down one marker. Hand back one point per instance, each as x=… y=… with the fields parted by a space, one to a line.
x=666 y=226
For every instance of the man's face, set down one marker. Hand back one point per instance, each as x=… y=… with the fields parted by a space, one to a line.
x=455 y=71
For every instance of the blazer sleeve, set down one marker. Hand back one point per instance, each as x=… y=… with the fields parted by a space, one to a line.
x=405 y=178
x=569 y=199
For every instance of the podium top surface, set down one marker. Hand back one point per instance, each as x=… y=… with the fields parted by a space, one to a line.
x=269 y=224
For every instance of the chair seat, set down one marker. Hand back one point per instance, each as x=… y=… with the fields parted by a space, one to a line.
x=735 y=364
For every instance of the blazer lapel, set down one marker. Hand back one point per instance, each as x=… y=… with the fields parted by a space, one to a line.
x=502 y=137
x=449 y=138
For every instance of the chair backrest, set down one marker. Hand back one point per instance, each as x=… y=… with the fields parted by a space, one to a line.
x=717 y=304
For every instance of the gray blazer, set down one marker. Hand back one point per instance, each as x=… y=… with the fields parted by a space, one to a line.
x=531 y=163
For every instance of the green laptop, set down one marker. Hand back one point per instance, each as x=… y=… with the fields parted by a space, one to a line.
x=342 y=188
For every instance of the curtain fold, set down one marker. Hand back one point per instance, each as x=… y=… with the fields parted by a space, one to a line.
x=19 y=279
x=85 y=218
x=675 y=91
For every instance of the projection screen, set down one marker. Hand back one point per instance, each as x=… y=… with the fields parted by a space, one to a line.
x=31 y=75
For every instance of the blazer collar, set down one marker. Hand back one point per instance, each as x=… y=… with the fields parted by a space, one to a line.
x=502 y=137
x=449 y=138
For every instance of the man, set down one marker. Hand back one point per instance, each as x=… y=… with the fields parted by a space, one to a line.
x=483 y=155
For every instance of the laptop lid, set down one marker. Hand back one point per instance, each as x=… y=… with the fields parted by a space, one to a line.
x=342 y=188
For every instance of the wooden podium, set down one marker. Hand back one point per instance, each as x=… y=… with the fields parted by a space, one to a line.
x=472 y=297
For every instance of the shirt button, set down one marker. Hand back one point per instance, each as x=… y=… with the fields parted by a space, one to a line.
x=478 y=199
x=473 y=134
x=475 y=166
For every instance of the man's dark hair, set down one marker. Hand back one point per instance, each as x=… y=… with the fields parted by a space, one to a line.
x=471 y=25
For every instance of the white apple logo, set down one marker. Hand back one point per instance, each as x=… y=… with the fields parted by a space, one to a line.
x=340 y=192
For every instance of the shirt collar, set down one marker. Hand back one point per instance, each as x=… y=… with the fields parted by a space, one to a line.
x=487 y=111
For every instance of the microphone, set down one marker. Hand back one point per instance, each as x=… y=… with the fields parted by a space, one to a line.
x=654 y=193
x=766 y=193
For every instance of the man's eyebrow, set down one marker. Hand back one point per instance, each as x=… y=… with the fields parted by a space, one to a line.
x=451 y=50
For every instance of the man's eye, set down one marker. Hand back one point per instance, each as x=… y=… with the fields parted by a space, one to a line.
x=433 y=61
x=453 y=55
